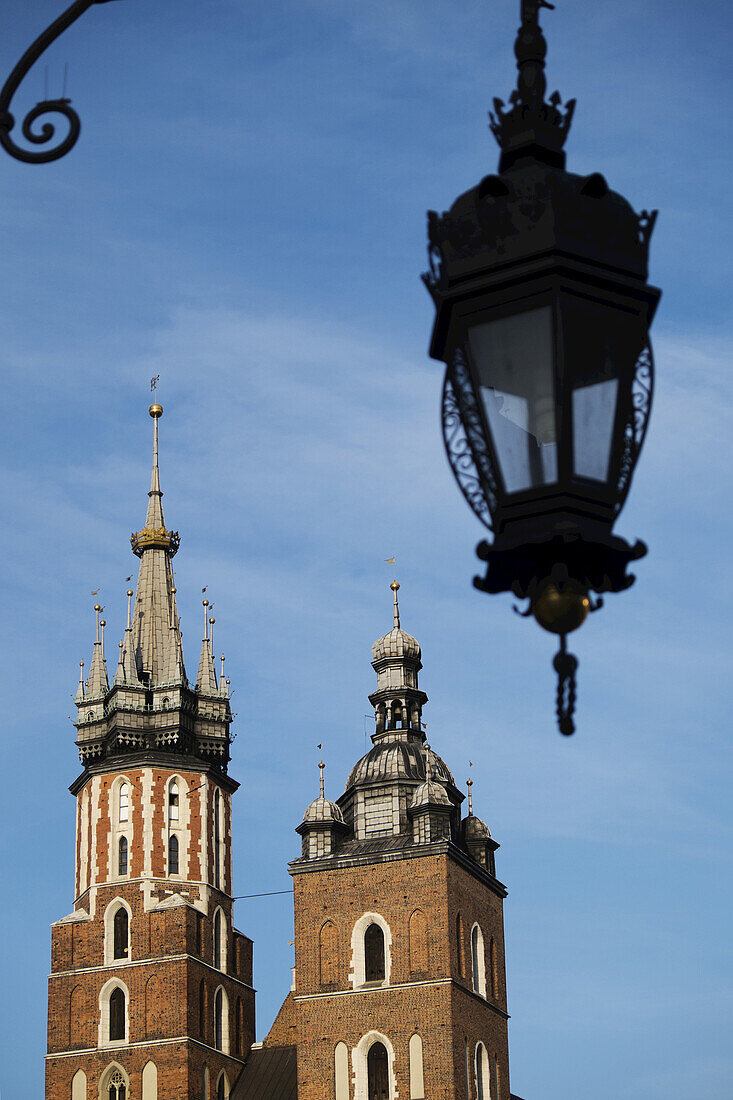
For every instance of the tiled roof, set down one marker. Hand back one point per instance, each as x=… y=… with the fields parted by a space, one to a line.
x=271 y=1073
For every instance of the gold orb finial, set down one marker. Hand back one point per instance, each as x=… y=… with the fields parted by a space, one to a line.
x=97 y=607
x=561 y=608
x=395 y=586
x=130 y=592
x=102 y=622
x=205 y=603
x=156 y=411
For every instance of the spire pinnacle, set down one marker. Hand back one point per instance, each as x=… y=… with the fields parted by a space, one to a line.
x=530 y=127
x=469 y=784
x=97 y=685
x=395 y=586
x=80 y=689
x=321 y=769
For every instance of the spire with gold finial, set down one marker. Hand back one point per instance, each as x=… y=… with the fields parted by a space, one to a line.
x=155 y=626
x=206 y=676
x=97 y=685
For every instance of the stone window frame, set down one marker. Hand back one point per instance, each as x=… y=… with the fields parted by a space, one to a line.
x=416 y=1050
x=109 y=932
x=79 y=1085
x=224 y=1048
x=103 y=1040
x=359 y=1057
x=120 y=826
x=222 y=941
x=178 y=825
x=478 y=961
x=483 y=1083
x=357 y=969
x=104 y=1080
x=147 y=1086
x=223 y=1077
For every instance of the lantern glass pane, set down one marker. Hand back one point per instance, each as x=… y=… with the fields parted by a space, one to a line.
x=594 y=413
x=514 y=365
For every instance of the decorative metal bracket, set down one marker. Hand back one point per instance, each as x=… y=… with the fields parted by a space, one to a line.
x=45 y=106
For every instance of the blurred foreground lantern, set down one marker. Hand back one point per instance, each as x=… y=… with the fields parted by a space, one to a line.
x=539 y=279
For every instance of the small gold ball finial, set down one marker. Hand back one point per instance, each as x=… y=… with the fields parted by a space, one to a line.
x=395 y=586
x=102 y=622
x=561 y=608
x=205 y=603
x=97 y=607
x=130 y=592
x=156 y=411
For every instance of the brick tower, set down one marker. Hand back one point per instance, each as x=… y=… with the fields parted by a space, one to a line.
x=150 y=992
x=399 y=985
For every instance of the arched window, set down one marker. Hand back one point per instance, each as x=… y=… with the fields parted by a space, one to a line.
x=217 y=839
x=173 y=801
x=219 y=939
x=117 y=1014
x=418 y=943
x=122 y=857
x=173 y=854
x=374 y=955
x=79 y=1085
x=494 y=968
x=202 y=1010
x=459 y=944
x=204 y=1082
x=378 y=1072
x=341 y=1071
x=150 y=1081
x=121 y=934
x=123 y=803
x=478 y=963
x=219 y=1019
x=116 y=1087
x=482 y=1073
x=417 y=1077
x=328 y=954
x=222 y=1087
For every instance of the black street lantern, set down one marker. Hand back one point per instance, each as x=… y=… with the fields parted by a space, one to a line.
x=539 y=279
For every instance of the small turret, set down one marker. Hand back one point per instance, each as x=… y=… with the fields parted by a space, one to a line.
x=322 y=825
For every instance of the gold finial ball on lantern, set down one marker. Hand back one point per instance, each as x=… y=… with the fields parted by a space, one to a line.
x=561 y=608
x=156 y=411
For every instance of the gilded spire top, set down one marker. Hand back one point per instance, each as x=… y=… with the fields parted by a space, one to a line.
x=395 y=586
x=321 y=769
x=469 y=784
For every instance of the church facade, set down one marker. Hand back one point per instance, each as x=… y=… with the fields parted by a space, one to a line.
x=399 y=986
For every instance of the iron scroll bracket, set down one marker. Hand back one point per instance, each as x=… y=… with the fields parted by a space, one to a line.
x=61 y=106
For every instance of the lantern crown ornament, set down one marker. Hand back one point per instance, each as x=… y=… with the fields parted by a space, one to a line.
x=539 y=281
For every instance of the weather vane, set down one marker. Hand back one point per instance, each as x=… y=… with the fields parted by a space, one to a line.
x=61 y=106
x=154 y=383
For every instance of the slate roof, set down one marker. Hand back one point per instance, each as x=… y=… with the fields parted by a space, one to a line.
x=270 y=1073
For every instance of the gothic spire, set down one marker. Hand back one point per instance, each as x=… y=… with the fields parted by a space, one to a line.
x=97 y=685
x=206 y=676
x=155 y=628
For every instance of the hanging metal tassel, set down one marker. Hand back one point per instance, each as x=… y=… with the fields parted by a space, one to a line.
x=565 y=665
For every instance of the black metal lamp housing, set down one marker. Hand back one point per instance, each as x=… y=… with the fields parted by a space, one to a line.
x=539 y=280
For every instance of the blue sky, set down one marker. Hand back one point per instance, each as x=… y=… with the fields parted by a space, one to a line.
x=245 y=215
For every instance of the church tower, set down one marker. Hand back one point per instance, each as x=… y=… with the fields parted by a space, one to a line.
x=150 y=992
x=399 y=987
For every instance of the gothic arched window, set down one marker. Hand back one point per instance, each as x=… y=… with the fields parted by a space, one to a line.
x=122 y=857
x=173 y=801
x=374 y=955
x=219 y=1019
x=121 y=935
x=478 y=964
x=222 y=1087
x=218 y=953
x=117 y=1089
x=117 y=1013
x=482 y=1073
x=377 y=1072
x=123 y=802
x=459 y=943
x=217 y=839
x=173 y=854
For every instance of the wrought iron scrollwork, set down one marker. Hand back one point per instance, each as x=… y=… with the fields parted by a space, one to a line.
x=465 y=447
x=47 y=131
x=642 y=392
